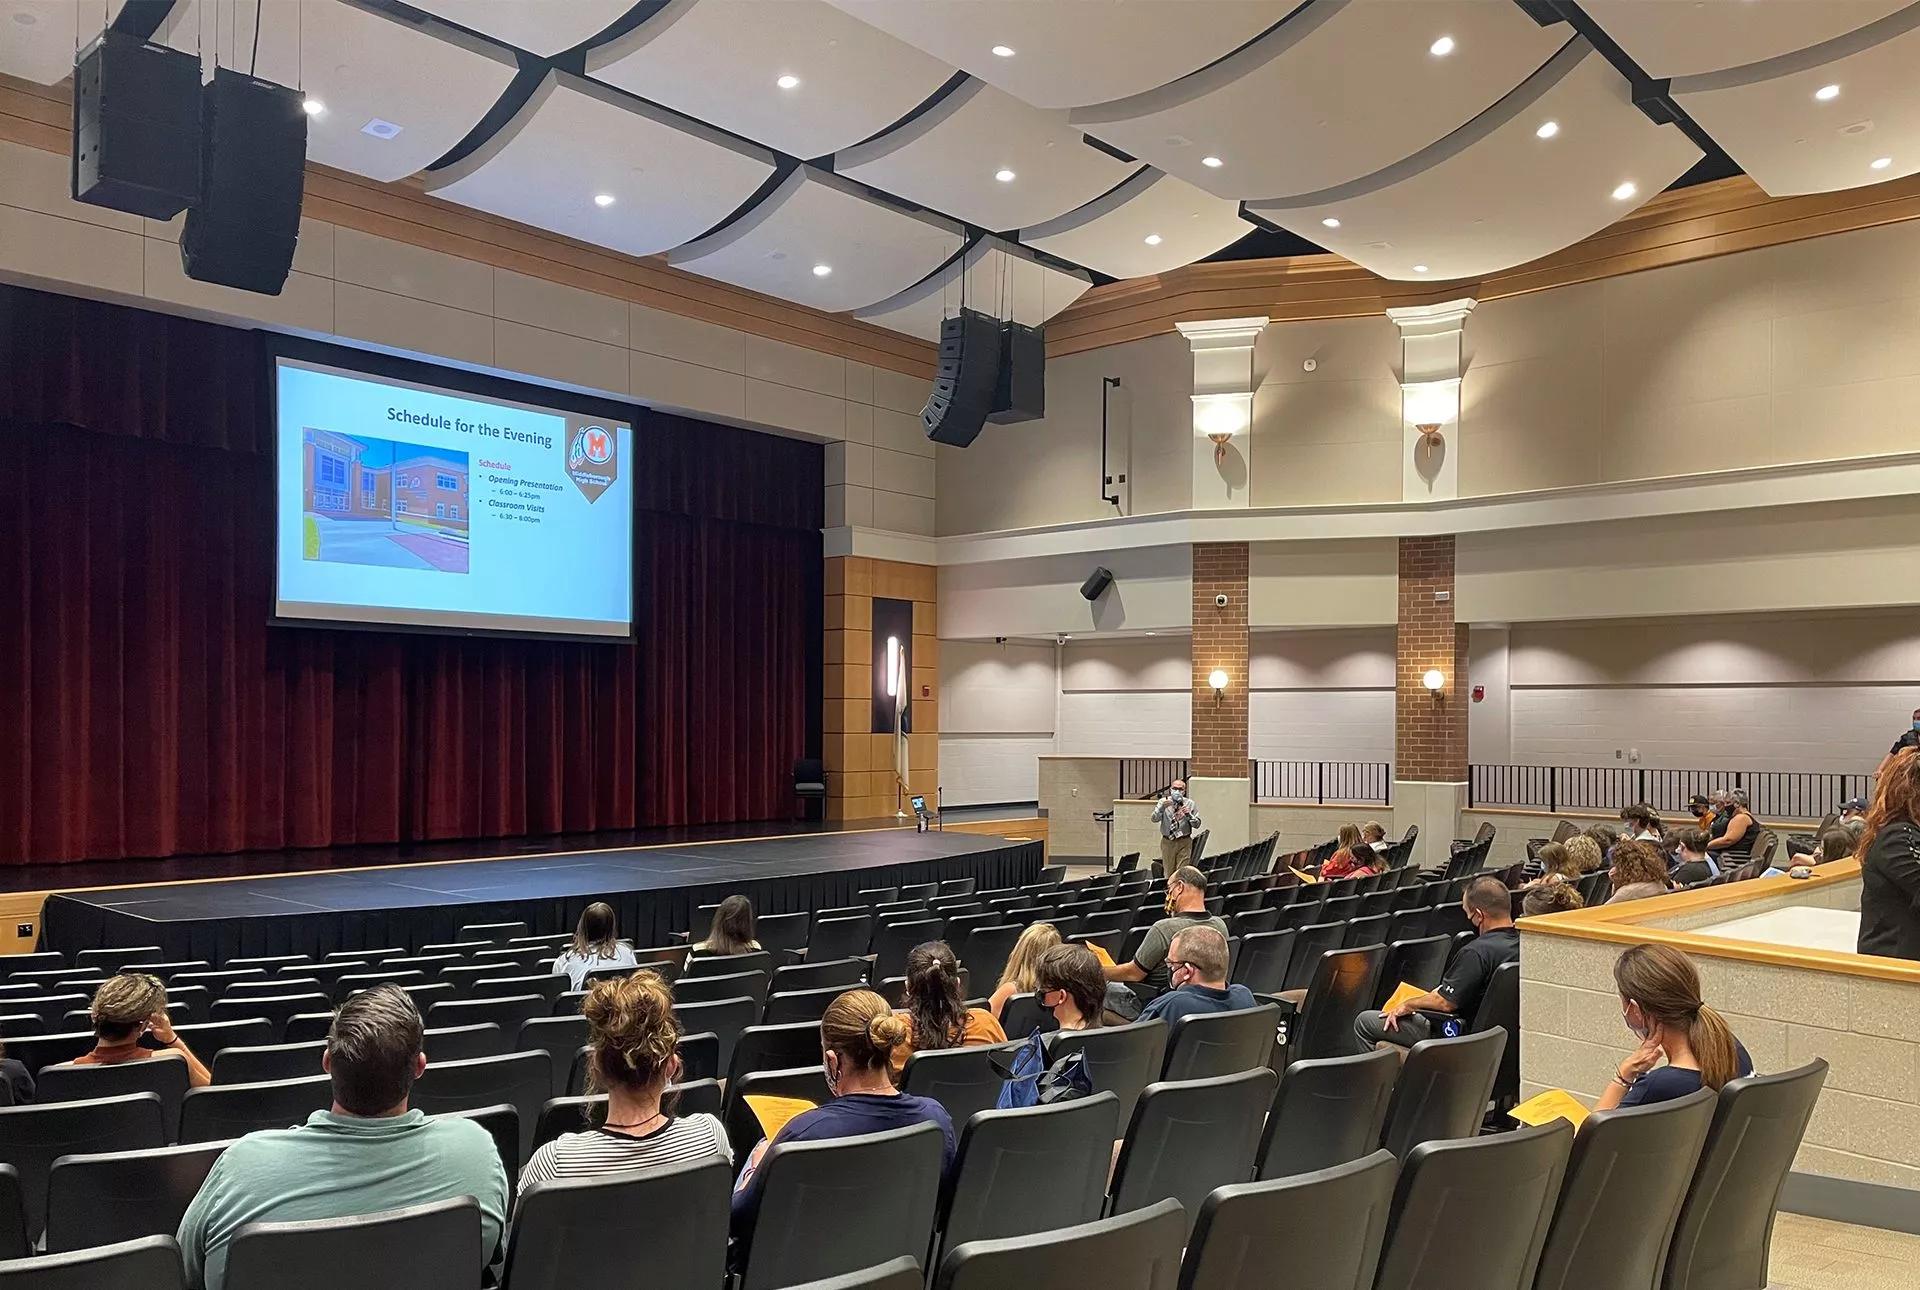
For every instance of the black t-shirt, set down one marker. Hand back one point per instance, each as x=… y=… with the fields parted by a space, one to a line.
x=1890 y=893
x=1907 y=739
x=1467 y=979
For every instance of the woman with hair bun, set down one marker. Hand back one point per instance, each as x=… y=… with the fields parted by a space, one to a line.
x=858 y=1034
x=631 y=1038
x=1660 y=1002
x=936 y=1011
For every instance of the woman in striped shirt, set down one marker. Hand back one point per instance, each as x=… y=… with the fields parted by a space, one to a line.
x=632 y=1033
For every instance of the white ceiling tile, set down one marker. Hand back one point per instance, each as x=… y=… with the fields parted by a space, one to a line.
x=1685 y=37
x=1495 y=194
x=1002 y=279
x=1110 y=235
x=1343 y=89
x=671 y=179
x=871 y=248
x=950 y=156
x=1768 y=119
x=721 y=61
x=40 y=37
x=1070 y=52
x=543 y=27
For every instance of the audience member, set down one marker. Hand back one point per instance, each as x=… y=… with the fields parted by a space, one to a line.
x=1604 y=836
x=1489 y=907
x=1556 y=865
x=858 y=1034
x=1835 y=844
x=937 y=1013
x=18 y=1079
x=1069 y=984
x=1186 y=907
x=1855 y=828
x=1736 y=837
x=731 y=931
x=1660 y=1002
x=1551 y=898
x=1018 y=977
x=1585 y=854
x=369 y=1153
x=1374 y=834
x=1704 y=812
x=595 y=946
x=125 y=1010
x=632 y=1037
x=1639 y=871
x=1198 y=961
x=1854 y=808
x=1178 y=819
x=1642 y=822
x=1697 y=864
x=1353 y=859
x=1890 y=863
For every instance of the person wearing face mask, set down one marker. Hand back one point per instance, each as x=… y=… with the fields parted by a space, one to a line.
x=1198 y=963
x=1178 y=819
x=1660 y=1002
x=1186 y=907
x=1489 y=908
x=858 y=1034
x=1069 y=985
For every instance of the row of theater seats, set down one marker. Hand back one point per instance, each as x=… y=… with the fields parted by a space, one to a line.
x=1238 y=1182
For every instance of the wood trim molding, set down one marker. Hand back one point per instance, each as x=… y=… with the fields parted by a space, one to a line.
x=39 y=116
x=1696 y=223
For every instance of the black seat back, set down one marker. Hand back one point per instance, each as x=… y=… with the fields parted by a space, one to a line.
x=1204 y=1044
x=151 y=1263
x=505 y=1013
x=765 y=1048
x=819 y=974
x=1314 y=940
x=742 y=1123
x=1264 y=957
x=457 y=1043
x=1500 y=1006
x=801 y=1005
x=1189 y=1137
x=1325 y=1227
x=1329 y=1111
x=1443 y=1089
x=33 y=1137
x=839 y=938
x=1022 y=1014
x=521 y=1080
x=559 y=1038
x=269 y=1062
x=699 y=965
x=222 y=1111
x=1031 y=1170
x=961 y=1079
x=985 y=950
x=712 y=989
x=124 y=1195
x=1137 y=1251
x=165 y=1077
x=1341 y=987
x=1122 y=1060
x=1432 y=1242
x=557 y=1226
x=1419 y=962
x=425 y=1247
x=726 y=1019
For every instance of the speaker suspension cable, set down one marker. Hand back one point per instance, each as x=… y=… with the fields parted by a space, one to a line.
x=254 y=62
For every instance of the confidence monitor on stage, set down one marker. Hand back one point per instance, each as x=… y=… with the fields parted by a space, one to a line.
x=408 y=504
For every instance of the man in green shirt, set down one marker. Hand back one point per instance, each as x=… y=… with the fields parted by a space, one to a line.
x=369 y=1153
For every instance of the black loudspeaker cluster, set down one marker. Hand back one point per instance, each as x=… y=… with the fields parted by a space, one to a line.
x=988 y=370
x=150 y=139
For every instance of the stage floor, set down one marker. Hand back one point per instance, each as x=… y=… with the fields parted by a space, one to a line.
x=654 y=889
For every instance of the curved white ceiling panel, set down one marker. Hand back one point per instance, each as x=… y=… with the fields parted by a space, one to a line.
x=1062 y=53
x=544 y=27
x=421 y=86
x=1345 y=88
x=1685 y=37
x=1150 y=224
x=1001 y=279
x=1496 y=193
x=42 y=36
x=952 y=157
x=813 y=221
x=575 y=142
x=728 y=61
x=1840 y=115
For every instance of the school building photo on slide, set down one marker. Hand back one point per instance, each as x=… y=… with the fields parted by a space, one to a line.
x=378 y=502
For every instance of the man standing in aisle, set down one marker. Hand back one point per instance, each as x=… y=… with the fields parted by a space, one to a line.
x=1177 y=817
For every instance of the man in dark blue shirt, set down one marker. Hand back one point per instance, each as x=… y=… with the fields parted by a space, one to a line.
x=1197 y=963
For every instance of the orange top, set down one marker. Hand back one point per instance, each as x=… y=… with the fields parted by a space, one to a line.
x=982 y=1029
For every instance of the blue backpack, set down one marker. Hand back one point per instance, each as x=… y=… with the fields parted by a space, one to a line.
x=1030 y=1081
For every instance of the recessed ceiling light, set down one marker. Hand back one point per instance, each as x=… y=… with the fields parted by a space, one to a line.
x=822 y=270
x=788 y=82
x=1212 y=163
x=1153 y=239
x=1881 y=163
x=1002 y=51
x=603 y=200
x=1419 y=268
x=1827 y=93
x=1441 y=47
x=380 y=129
x=1330 y=222
x=1547 y=130
x=1004 y=175
x=1625 y=191
x=313 y=106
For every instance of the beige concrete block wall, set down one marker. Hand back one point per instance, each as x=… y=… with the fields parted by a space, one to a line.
x=1071 y=790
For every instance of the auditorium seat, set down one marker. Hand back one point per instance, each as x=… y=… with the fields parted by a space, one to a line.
x=1031 y=1170
x=766 y=1048
x=431 y=965
x=208 y=1038
x=13 y=1216
x=464 y=976
x=12 y=965
x=1443 y=1089
x=368 y=955
x=985 y=949
x=50 y=1008
x=222 y=1111
x=711 y=989
x=902 y=1273
x=197 y=1001
x=502 y=1122
x=686 y=1208
x=960 y=1079
x=872 y=897
x=110 y=1196
x=272 y=962
x=699 y=1055
x=1188 y=1137
x=425 y=1247
x=1137 y=1251
x=306 y=1027
x=559 y=1038
x=1325 y=1228
x=800 y=1005
x=272 y=985
x=329 y=974
x=844 y=974
x=1314 y=940
x=1419 y=962
x=1264 y=957
x=554 y=941
x=1203 y=1045
x=167 y=971
x=1340 y=989
x=458 y=1043
x=496 y=933
x=803 y=1230
x=33 y=1137
x=839 y=938
x=547 y=985
x=1121 y=1059
x=1509 y=1179
x=725 y=1018
x=711 y=965
x=114 y=957
x=521 y=959
x=151 y=1263
x=273 y=1009
x=1369 y=929
x=1327 y=1112
x=1022 y=1014
x=782 y=932
x=459 y=949
x=164 y=1077
x=25 y=1023
x=523 y=1080
x=505 y=1013
x=36 y=1051
x=268 y=1062
x=806 y=1083
x=218 y=981
x=354 y=982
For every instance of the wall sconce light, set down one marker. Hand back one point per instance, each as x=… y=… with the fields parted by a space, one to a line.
x=1428 y=406
x=1220 y=417
x=1434 y=681
x=1218 y=680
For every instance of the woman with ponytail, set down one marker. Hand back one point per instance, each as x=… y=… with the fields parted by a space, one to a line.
x=858 y=1034
x=1660 y=1002
x=936 y=1011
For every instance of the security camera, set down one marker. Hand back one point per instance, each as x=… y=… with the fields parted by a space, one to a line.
x=1220 y=601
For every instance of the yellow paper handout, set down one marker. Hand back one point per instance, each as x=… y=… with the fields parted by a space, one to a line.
x=1554 y=1104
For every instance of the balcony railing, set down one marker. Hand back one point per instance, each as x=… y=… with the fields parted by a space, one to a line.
x=1147 y=777
x=1774 y=794
x=1357 y=783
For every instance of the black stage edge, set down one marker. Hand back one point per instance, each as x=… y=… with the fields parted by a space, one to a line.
x=655 y=891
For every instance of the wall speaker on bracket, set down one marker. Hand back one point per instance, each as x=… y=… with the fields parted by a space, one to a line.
x=1096 y=584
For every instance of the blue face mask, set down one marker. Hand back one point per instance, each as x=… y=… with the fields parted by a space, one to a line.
x=1175 y=795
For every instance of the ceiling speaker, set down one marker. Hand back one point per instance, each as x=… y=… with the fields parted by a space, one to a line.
x=964 y=382
x=254 y=154
x=1021 y=394
x=136 y=126
x=1097 y=582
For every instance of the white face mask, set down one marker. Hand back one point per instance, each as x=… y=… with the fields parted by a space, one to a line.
x=1176 y=794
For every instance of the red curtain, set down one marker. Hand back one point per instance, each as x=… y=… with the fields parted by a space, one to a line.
x=148 y=709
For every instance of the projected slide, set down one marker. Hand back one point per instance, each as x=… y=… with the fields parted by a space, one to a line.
x=417 y=506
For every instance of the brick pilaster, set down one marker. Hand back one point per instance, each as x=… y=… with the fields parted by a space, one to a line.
x=1220 y=641
x=1430 y=733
